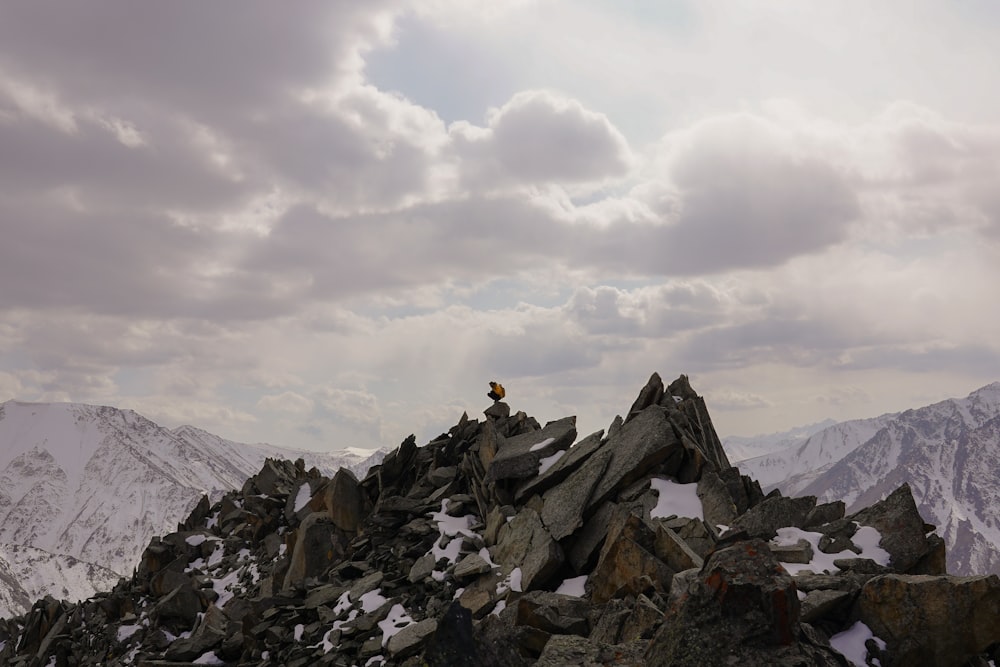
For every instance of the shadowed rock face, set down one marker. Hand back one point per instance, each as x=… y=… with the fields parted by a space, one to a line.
x=938 y=620
x=468 y=550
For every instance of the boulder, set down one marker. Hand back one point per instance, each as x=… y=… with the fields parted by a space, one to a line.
x=182 y=604
x=518 y=457
x=694 y=532
x=561 y=469
x=824 y=513
x=422 y=568
x=564 y=506
x=585 y=546
x=644 y=443
x=480 y=596
x=209 y=634
x=364 y=585
x=800 y=552
x=499 y=643
x=774 y=512
x=819 y=603
x=490 y=442
x=740 y=598
x=744 y=491
x=319 y=544
x=498 y=410
x=717 y=504
x=935 y=560
x=453 y=642
x=276 y=477
x=610 y=619
x=397 y=472
x=44 y=621
x=675 y=552
x=643 y=621
x=903 y=533
x=344 y=502
x=553 y=613
x=408 y=640
x=471 y=566
x=628 y=564
x=934 y=620
x=525 y=543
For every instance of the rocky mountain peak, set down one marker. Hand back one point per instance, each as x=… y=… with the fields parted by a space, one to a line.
x=507 y=542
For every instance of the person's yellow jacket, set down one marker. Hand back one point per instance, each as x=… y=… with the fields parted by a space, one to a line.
x=497 y=391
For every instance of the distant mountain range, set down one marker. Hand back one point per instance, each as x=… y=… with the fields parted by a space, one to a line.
x=741 y=448
x=949 y=452
x=83 y=489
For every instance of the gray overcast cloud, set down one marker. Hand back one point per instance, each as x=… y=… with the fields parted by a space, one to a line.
x=329 y=225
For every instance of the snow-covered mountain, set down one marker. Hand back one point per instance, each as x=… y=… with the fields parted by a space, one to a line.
x=27 y=574
x=949 y=452
x=741 y=447
x=96 y=483
x=808 y=457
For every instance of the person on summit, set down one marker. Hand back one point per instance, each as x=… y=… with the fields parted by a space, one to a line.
x=497 y=391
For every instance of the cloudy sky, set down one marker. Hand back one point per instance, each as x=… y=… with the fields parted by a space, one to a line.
x=329 y=224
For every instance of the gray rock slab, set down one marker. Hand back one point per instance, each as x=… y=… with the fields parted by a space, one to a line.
x=323 y=595
x=365 y=585
x=498 y=410
x=561 y=469
x=800 y=552
x=825 y=513
x=643 y=443
x=517 y=457
x=470 y=566
x=819 y=603
x=674 y=551
x=554 y=613
x=897 y=519
x=319 y=544
x=422 y=568
x=525 y=543
x=565 y=505
x=586 y=543
x=716 y=502
x=210 y=632
x=643 y=620
x=409 y=639
x=763 y=520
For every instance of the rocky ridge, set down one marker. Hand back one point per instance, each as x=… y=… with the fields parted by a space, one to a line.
x=505 y=542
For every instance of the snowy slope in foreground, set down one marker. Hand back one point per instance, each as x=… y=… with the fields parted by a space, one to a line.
x=27 y=574
x=96 y=483
x=949 y=452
